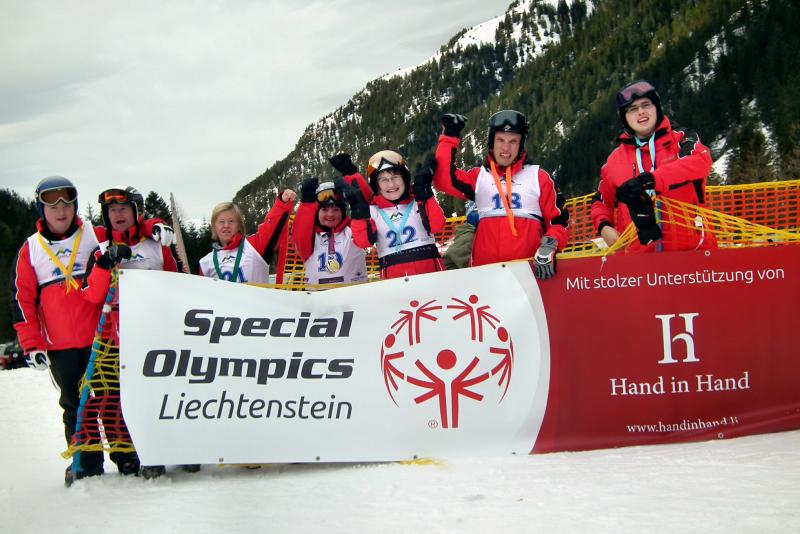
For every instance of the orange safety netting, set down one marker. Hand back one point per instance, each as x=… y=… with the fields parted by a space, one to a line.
x=737 y=215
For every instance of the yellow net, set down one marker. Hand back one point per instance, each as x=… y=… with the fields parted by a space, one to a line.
x=102 y=426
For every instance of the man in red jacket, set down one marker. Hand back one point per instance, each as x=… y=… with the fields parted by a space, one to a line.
x=652 y=159
x=520 y=209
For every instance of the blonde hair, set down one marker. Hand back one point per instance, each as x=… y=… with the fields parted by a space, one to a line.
x=221 y=208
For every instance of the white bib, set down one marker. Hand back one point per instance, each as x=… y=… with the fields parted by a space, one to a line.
x=401 y=234
x=348 y=264
x=46 y=271
x=252 y=267
x=524 y=194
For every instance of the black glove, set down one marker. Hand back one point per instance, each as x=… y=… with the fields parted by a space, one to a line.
x=643 y=215
x=453 y=123
x=113 y=256
x=308 y=190
x=634 y=190
x=687 y=144
x=544 y=262
x=344 y=164
x=359 y=209
x=422 y=184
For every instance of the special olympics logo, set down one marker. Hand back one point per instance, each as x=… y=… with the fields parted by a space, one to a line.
x=447 y=353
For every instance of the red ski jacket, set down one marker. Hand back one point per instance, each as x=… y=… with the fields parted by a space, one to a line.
x=681 y=167
x=412 y=259
x=48 y=312
x=540 y=211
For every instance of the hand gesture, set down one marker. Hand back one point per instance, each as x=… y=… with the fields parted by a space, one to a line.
x=452 y=124
x=344 y=164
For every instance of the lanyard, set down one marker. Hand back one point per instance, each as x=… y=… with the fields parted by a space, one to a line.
x=331 y=262
x=235 y=273
x=67 y=271
x=388 y=221
x=651 y=146
x=504 y=195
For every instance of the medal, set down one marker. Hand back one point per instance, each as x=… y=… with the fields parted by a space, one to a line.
x=332 y=265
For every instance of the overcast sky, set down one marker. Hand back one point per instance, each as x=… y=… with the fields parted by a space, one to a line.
x=194 y=97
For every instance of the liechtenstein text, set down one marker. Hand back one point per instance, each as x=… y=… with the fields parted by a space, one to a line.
x=242 y=407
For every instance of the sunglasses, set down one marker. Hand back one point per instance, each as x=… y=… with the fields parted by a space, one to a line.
x=385 y=159
x=636 y=89
x=51 y=197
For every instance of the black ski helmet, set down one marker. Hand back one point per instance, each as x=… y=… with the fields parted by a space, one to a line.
x=122 y=194
x=388 y=160
x=632 y=91
x=54 y=183
x=508 y=120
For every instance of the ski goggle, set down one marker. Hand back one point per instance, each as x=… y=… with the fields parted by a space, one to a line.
x=630 y=92
x=385 y=159
x=508 y=120
x=51 y=197
x=113 y=195
x=326 y=193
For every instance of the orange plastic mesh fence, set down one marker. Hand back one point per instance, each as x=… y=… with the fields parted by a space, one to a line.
x=761 y=207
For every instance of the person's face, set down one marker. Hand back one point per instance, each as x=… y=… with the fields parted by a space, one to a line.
x=391 y=185
x=121 y=216
x=59 y=217
x=641 y=117
x=330 y=216
x=506 y=147
x=226 y=226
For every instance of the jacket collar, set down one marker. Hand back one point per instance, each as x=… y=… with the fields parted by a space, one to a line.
x=664 y=128
x=515 y=167
x=234 y=243
x=43 y=229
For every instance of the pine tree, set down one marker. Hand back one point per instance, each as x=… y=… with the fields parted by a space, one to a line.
x=90 y=214
x=749 y=161
x=156 y=207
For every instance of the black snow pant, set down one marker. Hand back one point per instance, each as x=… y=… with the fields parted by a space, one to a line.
x=67 y=368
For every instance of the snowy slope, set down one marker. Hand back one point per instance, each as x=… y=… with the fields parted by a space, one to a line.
x=743 y=485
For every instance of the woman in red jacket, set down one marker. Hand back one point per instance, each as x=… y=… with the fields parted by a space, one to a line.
x=322 y=236
x=127 y=240
x=401 y=219
x=652 y=159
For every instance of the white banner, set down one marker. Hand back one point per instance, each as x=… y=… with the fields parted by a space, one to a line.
x=435 y=365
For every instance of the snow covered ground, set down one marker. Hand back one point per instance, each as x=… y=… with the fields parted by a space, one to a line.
x=743 y=485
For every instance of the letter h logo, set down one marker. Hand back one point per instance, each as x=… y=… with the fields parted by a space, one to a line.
x=686 y=336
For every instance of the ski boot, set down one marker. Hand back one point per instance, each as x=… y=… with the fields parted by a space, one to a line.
x=152 y=471
x=190 y=468
x=71 y=476
x=129 y=467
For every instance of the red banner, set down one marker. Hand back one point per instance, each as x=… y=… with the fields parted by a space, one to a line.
x=679 y=346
